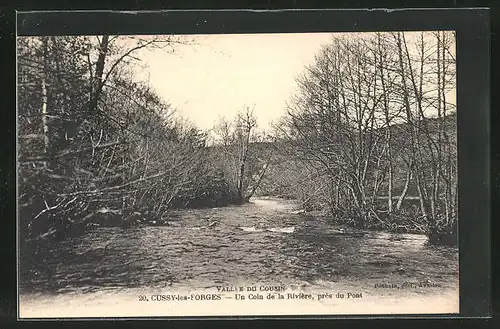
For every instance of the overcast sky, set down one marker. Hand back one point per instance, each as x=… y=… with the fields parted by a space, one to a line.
x=223 y=73
x=217 y=75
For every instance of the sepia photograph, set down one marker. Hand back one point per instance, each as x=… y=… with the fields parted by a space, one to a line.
x=264 y=174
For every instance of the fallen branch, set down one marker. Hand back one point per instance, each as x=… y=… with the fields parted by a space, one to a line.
x=48 y=208
x=118 y=187
x=69 y=153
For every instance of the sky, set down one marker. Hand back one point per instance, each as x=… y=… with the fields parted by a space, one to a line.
x=220 y=74
x=215 y=76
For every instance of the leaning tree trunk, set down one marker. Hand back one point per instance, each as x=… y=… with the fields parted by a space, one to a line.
x=405 y=189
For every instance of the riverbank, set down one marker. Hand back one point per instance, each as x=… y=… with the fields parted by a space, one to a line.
x=434 y=236
x=105 y=217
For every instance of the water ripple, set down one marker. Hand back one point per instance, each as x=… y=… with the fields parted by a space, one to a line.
x=253 y=242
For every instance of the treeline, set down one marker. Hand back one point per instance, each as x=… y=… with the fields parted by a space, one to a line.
x=370 y=136
x=243 y=153
x=371 y=133
x=97 y=147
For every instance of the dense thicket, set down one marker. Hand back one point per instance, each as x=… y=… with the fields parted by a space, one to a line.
x=374 y=122
x=97 y=147
x=370 y=136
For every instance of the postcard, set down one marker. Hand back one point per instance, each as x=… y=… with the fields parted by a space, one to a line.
x=263 y=174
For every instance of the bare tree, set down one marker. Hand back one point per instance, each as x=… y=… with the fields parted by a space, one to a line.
x=245 y=164
x=109 y=144
x=370 y=112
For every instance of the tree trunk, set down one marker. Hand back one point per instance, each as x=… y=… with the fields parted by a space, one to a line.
x=45 y=110
x=256 y=184
x=45 y=123
x=405 y=189
x=239 y=185
x=413 y=126
x=98 y=78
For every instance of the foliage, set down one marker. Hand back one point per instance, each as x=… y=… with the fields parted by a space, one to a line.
x=369 y=136
x=98 y=147
x=373 y=118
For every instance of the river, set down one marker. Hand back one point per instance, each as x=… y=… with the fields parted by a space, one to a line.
x=265 y=242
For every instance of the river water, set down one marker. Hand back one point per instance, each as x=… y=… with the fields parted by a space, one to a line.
x=263 y=242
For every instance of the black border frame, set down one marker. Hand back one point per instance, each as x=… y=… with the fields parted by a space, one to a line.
x=473 y=67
